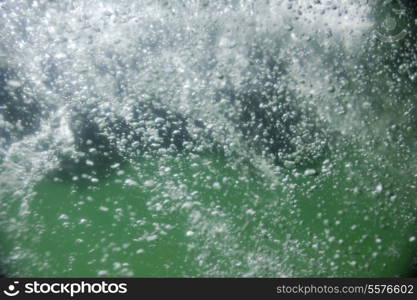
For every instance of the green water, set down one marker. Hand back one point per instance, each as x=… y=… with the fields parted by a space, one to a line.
x=203 y=216
x=168 y=213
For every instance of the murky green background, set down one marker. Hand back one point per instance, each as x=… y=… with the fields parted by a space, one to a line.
x=354 y=217
x=349 y=211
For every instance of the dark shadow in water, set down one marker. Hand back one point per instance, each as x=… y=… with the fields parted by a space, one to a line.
x=23 y=115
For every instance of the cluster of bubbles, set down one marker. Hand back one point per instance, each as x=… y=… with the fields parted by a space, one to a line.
x=223 y=119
